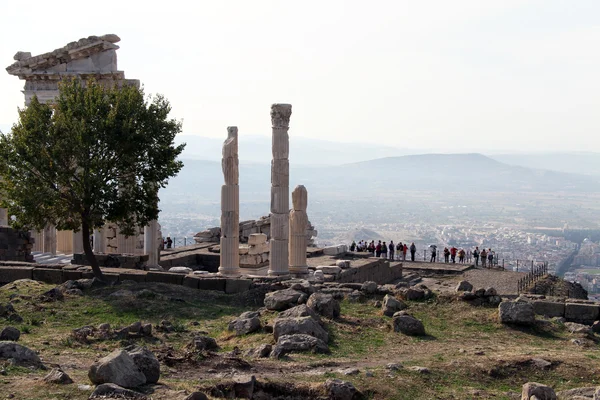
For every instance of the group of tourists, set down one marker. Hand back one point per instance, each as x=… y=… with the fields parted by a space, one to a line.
x=398 y=252
x=390 y=251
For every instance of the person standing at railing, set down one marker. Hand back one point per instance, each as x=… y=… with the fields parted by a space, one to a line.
x=461 y=256
x=476 y=255
x=392 y=248
x=483 y=258
x=384 y=250
x=490 y=258
x=446 y=255
x=404 y=250
x=433 y=253
x=413 y=250
x=169 y=242
x=453 y=251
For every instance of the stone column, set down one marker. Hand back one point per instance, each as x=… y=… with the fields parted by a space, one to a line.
x=298 y=225
x=99 y=240
x=3 y=217
x=230 y=207
x=280 y=198
x=77 y=242
x=49 y=238
x=151 y=243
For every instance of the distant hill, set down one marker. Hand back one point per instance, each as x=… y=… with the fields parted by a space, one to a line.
x=584 y=163
x=202 y=179
x=303 y=151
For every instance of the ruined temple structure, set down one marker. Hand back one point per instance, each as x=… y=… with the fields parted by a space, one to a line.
x=95 y=56
x=298 y=225
x=91 y=57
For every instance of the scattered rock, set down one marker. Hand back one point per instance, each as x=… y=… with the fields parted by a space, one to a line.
x=282 y=299
x=119 y=368
x=324 y=304
x=243 y=326
x=414 y=294
x=369 y=374
x=340 y=390
x=54 y=294
x=378 y=304
x=58 y=377
x=464 y=286
x=407 y=324
x=515 y=312
x=181 y=270
x=349 y=371
x=540 y=363
x=394 y=366
x=303 y=325
x=369 y=287
x=391 y=305
x=20 y=354
x=10 y=333
x=421 y=370
x=596 y=327
x=203 y=343
x=298 y=342
x=74 y=292
x=147 y=362
x=574 y=327
x=585 y=392
x=490 y=291
x=300 y=311
x=356 y=296
x=537 y=391
x=110 y=390
x=261 y=351
x=244 y=386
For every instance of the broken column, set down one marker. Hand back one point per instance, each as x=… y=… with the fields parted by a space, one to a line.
x=280 y=182
x=230 y=207
x=151 y=243
x=298 y=225
x=99 y=240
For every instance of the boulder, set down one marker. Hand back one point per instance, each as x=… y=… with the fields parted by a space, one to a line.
x=119 y=368
x=21 y=354
x=324 y=304
x=464 y=286
x=10 y=333
x=110 y=390
x=203 y=343
x=282 y=299
x=343 y=264
x=181 y=270
x=298 y=342
x=537 y=391
x=243 y=326
x=261 y=351
x=243 y=386
x=577 y=393
x=337 y=389
x=516 y=312
x=147 y=362
x=596 y=327
x=414 y=294
x=300 y=311
x=391 y=305
x=408 y=324
x=197 y=396
x=329 y=269
x=369 y=287
x=58 y=377
x=490 y=291
x=574 y=327
x=304 y=325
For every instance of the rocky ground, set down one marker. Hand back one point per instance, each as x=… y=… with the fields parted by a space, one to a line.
x=420 y=339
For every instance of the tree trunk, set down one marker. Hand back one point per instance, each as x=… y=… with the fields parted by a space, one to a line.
x=89 y=253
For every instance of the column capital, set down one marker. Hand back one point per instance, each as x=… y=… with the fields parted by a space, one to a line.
x=280 y=115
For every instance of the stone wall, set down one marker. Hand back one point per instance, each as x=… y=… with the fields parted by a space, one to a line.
x=128 y=261
x=261 y=225
x=15 y=245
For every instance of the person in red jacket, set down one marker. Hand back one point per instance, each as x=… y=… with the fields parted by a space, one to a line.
x=453 y=251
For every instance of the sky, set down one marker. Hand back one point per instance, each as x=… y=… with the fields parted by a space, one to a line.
x=451 y=76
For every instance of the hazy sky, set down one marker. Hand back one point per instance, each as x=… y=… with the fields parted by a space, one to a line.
x=450 y=75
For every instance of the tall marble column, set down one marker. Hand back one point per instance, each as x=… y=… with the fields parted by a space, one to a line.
x=280 y=198
x=99 y=240
x=77 y=242
x=49 y=238
x=230 y=207
x=298 y=225
x=151 y=243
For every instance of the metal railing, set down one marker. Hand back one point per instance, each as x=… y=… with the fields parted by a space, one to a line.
x=537 y=272
x=178 y=242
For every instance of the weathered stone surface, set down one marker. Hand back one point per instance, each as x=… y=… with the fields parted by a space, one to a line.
x=408 y=325
x=282 y=299
x=490 y=291
x=537 y=391
x=574 y=327
x=147 y=362
x=119 y=368
x=515 y=312
x=391 y=305
x=10 y=333
x=298 y=342
x=369 y=287
x=324 y=304
x=329 y=269
x=304 y=325
x=414 y=294
x=196 y=396
x=21 y=354
x=300 y=311
x=203 y=343
x=181 y=270
x=261 y=351
x=464 y=286
x=582 y=313
x=110 y=390
x=577 y=393
x=243 y=386
x=340 y=390
x=243 y=326
x=58 y=377
x=549 y=309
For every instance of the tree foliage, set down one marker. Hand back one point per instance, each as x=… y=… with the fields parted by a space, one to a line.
x=98 y=154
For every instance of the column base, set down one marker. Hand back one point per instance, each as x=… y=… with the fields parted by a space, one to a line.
x=230 y=272
x=299 y=272
x=278 y=274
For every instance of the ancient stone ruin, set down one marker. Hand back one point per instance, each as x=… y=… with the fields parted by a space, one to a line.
x=230 y=206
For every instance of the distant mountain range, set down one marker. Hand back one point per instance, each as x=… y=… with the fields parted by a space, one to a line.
x=585 y=163
x=202 y=179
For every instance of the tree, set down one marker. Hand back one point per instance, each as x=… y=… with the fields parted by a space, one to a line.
x=98 y=154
